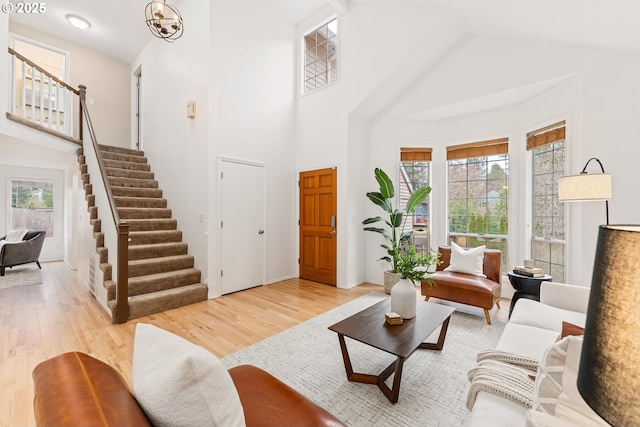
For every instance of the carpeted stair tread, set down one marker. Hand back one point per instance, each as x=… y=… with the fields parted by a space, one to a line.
x=121 y=150
x=155 y=236
x=137 y=192
x=157 y=250
x=110 y=155
x=161 y=272
x=115 y=181
x=144 y=213
x=143 y=305
x=142 y=267
x=152 y=224
x=122 y=164
x=157 y=282
x=139 y=202
x=125 y=173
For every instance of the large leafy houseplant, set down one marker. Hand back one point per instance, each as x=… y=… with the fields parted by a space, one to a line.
x=395 y=240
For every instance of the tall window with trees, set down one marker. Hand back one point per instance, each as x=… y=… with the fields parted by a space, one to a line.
x=478 y=176
x=32 y=205
x=548 y=243
x=320 y=56
x=414 y=173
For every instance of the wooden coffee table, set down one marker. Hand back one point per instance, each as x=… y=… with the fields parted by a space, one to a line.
x=369 y=327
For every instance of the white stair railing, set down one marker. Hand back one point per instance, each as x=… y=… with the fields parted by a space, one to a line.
x=40 y=99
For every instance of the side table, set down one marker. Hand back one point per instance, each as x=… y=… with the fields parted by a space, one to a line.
x=525 y=287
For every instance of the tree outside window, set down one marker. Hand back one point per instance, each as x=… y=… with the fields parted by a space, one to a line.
x=477 y=202
x=32 y=206
x=548 y=238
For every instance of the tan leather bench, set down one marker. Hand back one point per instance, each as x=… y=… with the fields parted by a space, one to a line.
x=466 y=288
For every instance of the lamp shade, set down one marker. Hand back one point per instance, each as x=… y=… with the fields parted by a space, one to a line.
x=584 y=187
x=609 y=374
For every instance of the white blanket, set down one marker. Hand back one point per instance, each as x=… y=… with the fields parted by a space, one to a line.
x=15 y=236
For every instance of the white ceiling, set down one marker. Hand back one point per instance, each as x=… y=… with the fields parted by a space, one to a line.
x=118 y=27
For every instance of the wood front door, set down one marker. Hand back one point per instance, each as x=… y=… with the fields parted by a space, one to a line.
x=318 y=228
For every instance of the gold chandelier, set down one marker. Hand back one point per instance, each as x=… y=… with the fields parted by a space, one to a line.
x=164 y=20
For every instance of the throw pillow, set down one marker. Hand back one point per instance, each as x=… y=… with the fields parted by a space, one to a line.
x=571 y=329
x=571 y=406
x=549 y=377
x=467 y=261
x=15 y=236
x=178 y=383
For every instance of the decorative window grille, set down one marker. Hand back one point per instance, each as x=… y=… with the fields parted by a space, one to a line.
x=477 y=190
x=548 y=244
x=321 y=56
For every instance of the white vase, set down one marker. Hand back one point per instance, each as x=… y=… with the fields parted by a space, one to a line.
x=404 y=299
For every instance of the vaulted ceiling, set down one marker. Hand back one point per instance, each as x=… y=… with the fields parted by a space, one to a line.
x=118 y=27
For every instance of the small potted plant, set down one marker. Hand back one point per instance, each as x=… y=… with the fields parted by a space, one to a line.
x=414 y=269
x=395 y=240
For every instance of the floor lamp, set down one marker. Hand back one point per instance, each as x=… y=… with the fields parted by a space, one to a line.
x=586 y=187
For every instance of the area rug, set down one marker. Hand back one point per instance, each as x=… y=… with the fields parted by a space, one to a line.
x=20 y=276
x=434 y=383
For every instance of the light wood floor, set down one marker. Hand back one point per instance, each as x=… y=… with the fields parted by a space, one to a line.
x=40 y=321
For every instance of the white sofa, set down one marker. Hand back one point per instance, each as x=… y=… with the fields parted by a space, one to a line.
x=532 y=329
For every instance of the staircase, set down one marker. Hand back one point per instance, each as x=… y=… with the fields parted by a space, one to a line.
x=161 y=273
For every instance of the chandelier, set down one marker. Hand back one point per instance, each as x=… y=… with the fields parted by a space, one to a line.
x=164 y=20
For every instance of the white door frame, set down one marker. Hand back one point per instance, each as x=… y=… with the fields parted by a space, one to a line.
x=221 y=160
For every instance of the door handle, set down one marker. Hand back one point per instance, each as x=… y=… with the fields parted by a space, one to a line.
x=260 y=231
x=333 y=232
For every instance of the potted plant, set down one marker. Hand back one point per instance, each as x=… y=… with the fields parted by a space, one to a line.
x=414 y=268
x=390 y=227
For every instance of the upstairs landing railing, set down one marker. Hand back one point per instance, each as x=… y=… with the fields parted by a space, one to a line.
x=42 y=101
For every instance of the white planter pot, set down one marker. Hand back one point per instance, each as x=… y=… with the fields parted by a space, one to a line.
x=404 y=299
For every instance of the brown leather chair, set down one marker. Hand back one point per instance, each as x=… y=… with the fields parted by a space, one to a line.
x=75 y=389
x=466 y=288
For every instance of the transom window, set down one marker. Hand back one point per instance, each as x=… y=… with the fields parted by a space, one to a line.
x=321 y=56
x=548 y=244
x=478 y=177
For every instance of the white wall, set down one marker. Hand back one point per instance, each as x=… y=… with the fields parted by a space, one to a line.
x=252 y=118
x=600 y=103
x=235 y=60
x=375 y=41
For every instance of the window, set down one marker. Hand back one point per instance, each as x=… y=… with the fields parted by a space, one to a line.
x=321 y=56
x=478 y=176
x=32 y=206
x=414 y=173
x=548 y=235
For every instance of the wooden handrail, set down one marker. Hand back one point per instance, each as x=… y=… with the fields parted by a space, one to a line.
x=121 y=312
x=43 y=71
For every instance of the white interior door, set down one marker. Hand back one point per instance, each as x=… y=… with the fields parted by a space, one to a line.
x=243 y=211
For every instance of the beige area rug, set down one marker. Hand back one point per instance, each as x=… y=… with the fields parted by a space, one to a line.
x=434 y=383
x=20 y=276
